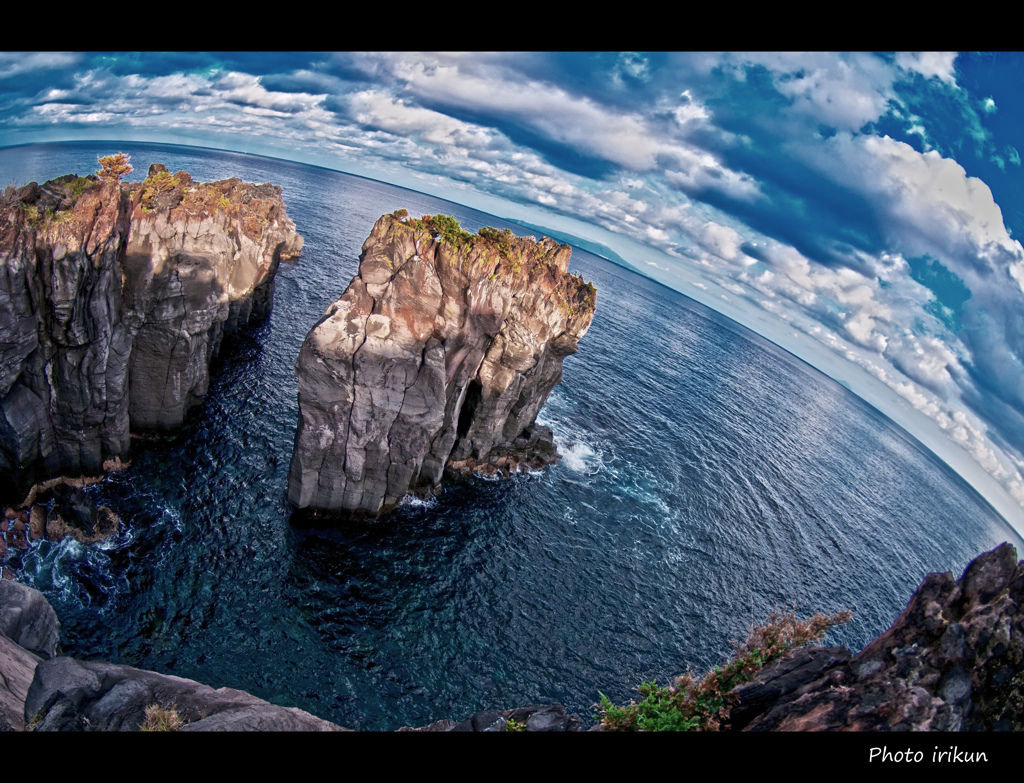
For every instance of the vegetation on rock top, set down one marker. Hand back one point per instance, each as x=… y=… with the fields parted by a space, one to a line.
x=517 y=257
x=160 y=718
x=703 y=705
x=115 y=167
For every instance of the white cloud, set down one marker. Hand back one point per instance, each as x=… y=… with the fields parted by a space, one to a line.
x=20 y=63
x=938 y=65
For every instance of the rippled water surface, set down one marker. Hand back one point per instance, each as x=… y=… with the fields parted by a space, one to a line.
x=708 y=477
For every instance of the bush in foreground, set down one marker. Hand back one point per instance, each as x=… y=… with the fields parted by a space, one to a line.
x=690 y=705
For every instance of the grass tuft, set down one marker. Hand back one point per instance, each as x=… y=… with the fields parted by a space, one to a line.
x=160 y=718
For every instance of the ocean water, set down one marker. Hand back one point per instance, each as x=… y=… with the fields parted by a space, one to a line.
x=708 y=478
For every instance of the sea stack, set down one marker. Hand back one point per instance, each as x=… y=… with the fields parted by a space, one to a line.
x=200 y=262
x=440 y=353
x=113 y=300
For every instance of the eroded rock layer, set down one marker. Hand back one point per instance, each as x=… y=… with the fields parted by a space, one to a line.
x=114 y=299
x=441 y=352
x=63 y=346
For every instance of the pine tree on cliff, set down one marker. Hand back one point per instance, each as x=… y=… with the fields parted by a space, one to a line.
x=115 y=167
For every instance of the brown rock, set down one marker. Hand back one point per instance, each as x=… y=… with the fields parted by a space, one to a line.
x=37 y=523
x=441 y=352
x=17 y=539
x=108 y=524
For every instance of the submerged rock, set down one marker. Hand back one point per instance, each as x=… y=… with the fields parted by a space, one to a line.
x=113 y=301
x=441 y=352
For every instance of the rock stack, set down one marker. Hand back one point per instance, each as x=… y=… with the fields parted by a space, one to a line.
x=440 y=353
x=114 y=299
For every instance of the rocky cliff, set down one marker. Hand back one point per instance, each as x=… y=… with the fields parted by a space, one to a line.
x=113 y=300
x=441 y=352
x=64 y=349
x=200 y=261
x=952 y=661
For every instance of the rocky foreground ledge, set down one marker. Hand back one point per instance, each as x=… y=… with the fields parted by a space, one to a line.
x=114 y=298
x=952 y=661
x=439 y=354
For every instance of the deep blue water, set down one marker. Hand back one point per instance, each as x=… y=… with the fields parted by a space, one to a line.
x=708 y=478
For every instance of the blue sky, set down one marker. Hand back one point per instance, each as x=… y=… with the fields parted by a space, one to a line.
x=858 y=209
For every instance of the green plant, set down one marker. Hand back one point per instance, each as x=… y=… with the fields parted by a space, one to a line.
x=160 y=718
x=513 y=725
x=161 y=182
x=448 y=230
x=703 y=705
x=115 y=167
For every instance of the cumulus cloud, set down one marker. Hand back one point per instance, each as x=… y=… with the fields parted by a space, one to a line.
x=17 y=64
x=938 y=65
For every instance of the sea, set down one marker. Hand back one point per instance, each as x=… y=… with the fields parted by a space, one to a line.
x=708 y=478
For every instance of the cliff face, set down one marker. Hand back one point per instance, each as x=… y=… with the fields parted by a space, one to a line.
x=441 y=351
x=63 y=347
x=113 y=300
x=200 y=262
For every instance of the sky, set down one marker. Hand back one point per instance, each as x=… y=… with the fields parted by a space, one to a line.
x=857 y=209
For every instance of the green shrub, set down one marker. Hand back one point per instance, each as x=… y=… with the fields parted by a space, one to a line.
x=703 y=706
x=115 y=167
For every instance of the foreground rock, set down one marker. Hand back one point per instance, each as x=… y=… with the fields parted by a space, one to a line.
x=50 y=693
x=71 y=695
x=113 y=300
x=953 y=661
x=545 y=718
x=441 y=352
x=29 y=632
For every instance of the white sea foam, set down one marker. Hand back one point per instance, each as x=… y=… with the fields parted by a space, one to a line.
x=417 y=502
x=581 y=458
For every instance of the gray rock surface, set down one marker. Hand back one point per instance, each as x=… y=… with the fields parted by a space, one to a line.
x=63 y=349
x=17 y=667
x=440 y=353
x=27 y=619
x=68 y=694
x=113 y=301
x=540 y=718
x=198 y=265
x=29 y=632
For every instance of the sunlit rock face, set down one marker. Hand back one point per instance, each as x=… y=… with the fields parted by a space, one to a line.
x=441 y=352
x=114 y=299
x=200 y=262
